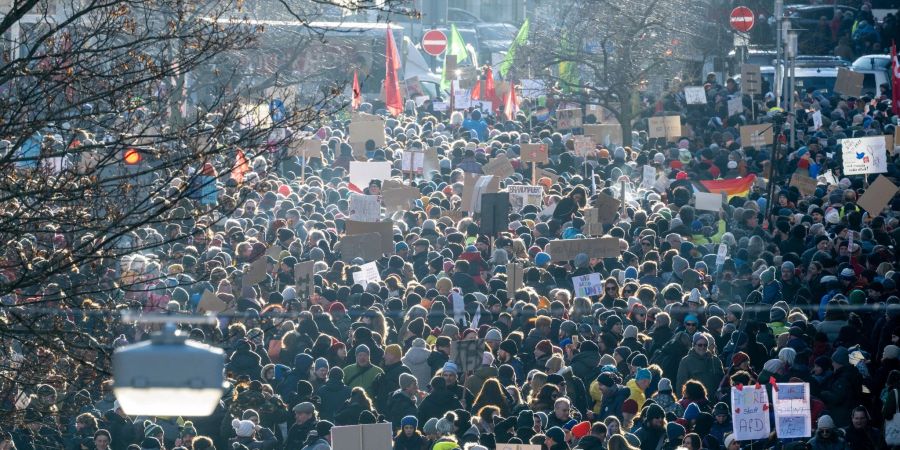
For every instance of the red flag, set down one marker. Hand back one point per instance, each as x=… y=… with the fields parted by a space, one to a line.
x=241 y=167
x=511 y=105
x=490 y=93
x=895 y=79
x=476 y=91
x=392 y=99
x=357 y=93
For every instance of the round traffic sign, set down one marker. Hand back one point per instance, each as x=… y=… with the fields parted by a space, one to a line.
x=434 y=42
x=742 y=19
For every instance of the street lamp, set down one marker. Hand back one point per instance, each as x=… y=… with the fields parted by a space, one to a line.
x=168 y=376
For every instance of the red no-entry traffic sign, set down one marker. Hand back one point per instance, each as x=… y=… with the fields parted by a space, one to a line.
x=434 y=42
x=742 y=19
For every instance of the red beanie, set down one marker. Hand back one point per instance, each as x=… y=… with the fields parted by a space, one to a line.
x=337 y=306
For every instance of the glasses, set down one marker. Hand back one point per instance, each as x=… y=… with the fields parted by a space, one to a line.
x=689 y=324
x=701 y=345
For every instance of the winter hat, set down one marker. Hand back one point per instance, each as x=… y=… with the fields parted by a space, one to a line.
x=544 y=346
x=767 y=276
x=525 y=419
x=665 y=384
x=557 y=434
x=150 y=443
x=739 y=358
x=510 y=347
x=450 y=366
x=394 y=350
x=493 y=335
x=321 y=363
x=857 y=297
x=487 y=359
x=541 y=259
x=406 y=380
x=675 y=431
x=630 y=406
x=655 y=411
x=362 y=348
x=891 y=352
x=643 y=374
x=773 y=366
x=581 y=430
x=323 y=428
x=729 y=440
x=841 y=356
x=243 y=428
x=430 y=426
x=444 y=425
x=787 y=355
x=679 y=265
x=409 y=421
x=721 y=409
x=606 y=379
x=151 y=428
x=631 y=331
x=825 y=422
x=691 y=412
x=777 y=314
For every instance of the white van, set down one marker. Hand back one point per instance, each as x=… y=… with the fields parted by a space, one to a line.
x=877 y=71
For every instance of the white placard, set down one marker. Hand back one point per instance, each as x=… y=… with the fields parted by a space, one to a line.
x=817 y=120
x=707 y=201
x=523 y=195
x=864 y=155
x=735 y=106
x=649 y=177
x=368 y=274
x=440 y=106
x=365 y=208
x=413 y=162
x=695 y=95
x=750 y=412
x=481 y=187
x=362 y=172
x=721 y=254
x=588 y=285
x=793 y=415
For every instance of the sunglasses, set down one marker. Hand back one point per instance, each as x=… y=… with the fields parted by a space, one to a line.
x=701 y=345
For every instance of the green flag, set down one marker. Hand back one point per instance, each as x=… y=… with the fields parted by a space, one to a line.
x=457 y=47
x=521 y=37
x=568 y=70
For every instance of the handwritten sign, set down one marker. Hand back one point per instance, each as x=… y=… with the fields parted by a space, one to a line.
x=588 y=285
x=564 y=250
x=668 y=127
x=499 y=166
x=793 y=417
x=695 y=95
x=864 y=155
x=751 y=79
x=413 y=162
x=750 y=412
x=567 y=119
x=368 y=274
x=735 y=106
x=756 y=135
x=534 y=153
x=365 y=208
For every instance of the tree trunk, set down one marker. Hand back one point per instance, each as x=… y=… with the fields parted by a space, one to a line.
x=626 y=113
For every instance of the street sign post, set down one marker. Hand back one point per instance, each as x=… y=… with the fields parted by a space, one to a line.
x=434 y=42
x=742 y=19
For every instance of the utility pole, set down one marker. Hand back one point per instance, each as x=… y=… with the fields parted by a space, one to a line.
x=779 y=13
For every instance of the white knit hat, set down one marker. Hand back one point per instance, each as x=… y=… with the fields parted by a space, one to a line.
x=243 y=428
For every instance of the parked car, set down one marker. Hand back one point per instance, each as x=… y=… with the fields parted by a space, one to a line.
x=876 y=69
x=462 y=17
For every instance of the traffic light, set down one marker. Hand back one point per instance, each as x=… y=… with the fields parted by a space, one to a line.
x=132 y=157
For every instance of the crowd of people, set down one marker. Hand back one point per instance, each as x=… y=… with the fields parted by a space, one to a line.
x=807 y=291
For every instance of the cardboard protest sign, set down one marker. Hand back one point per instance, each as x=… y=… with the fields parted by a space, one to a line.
x=695 y=95
x=362 y=437
x=365 y=208
x=804 y=183
x=256 y=272
x=499 y=166
x=384 y=228
x=889 y=143
x=432 y=162
x=751 y=79
x=391 y=184
x=363 y=172
x=210 y=302
x=474 y=186
x=864 y=155
x=363 y=128
x=541 y=173
x=757 y=135
x=750 y=412
x=367 y=246
x=721 y=254
x=849 y=83
x=735 y=106
x=565 y=250
x=567 y=119
x=648 y=177
x=706 y=201
x=274 y=252
x=605 y=134
x=467 y=354
x=593 y=226
x=368 y=274
x=588 y=285
x=518 y=447
x=608 y=207
x=896 y=140
x=305 y=148
x=304 y=278
x=793 y=413
x=817 y=120
x=515 y=277
x=520 y=196
x=878 y=195
x=584 y=146
x=413 y=162
x=536 y=153
x=396 y=199
x=668 y=127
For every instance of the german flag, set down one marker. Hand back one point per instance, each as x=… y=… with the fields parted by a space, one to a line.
x=734 y=187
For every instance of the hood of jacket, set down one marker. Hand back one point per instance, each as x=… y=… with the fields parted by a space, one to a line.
x=416 y=355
